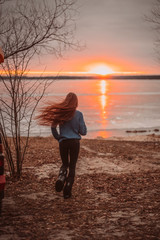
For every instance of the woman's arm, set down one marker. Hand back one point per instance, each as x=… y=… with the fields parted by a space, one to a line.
x=82 y=126
x=55 y=133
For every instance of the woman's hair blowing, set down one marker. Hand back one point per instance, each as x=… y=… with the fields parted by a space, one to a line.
x=58 y=113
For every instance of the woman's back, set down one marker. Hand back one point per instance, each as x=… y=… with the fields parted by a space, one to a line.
x=74 y=127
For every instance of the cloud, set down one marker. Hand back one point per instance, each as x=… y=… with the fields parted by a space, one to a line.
x=118 y=25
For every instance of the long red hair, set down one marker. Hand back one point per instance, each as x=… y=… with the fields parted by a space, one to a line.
x=57 y=113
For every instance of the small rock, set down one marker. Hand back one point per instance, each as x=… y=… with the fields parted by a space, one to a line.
x=156 y=130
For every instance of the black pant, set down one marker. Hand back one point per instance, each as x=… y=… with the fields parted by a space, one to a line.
x=69 y=150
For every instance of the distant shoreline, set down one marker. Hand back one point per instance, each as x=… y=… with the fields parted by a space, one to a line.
x=96 y=77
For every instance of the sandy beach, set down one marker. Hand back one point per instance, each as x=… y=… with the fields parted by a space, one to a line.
x=116 y=194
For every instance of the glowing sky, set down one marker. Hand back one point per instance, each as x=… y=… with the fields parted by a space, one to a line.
x=115 y=33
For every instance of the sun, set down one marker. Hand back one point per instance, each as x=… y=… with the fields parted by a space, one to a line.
x=101 y=69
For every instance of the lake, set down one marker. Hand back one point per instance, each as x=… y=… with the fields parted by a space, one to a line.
x=110 y=107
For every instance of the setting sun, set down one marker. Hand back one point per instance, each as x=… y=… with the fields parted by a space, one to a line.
x=101 y=69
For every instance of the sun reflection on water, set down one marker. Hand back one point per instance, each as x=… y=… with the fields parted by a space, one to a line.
x=104 y=102
x=103 y=86
x=104 y=89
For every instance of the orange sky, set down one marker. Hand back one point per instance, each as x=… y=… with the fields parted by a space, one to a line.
x=97 y=64
x=117 y=38
x=115 y=33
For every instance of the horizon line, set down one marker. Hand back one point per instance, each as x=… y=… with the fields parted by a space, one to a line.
x=93 y=76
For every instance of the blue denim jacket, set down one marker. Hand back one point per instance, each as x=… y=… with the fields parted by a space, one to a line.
x=72 y=129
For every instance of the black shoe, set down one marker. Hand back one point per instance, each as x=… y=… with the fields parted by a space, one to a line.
x=67 y=190
x=60 y=181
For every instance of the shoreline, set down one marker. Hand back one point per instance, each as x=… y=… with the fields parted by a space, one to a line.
x=104 y=134
x=133 y=136
x=132 y=132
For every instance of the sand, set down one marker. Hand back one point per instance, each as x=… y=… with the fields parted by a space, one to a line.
x=116 y=194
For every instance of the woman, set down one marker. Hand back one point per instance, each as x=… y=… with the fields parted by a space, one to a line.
x=71 y=127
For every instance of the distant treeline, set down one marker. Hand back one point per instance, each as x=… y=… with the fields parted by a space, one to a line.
x=127 y=77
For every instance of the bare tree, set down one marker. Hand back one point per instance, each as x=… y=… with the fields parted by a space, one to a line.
x=27 y=29
x=154 y=19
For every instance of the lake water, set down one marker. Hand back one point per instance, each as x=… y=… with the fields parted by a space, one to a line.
x=110 y=107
